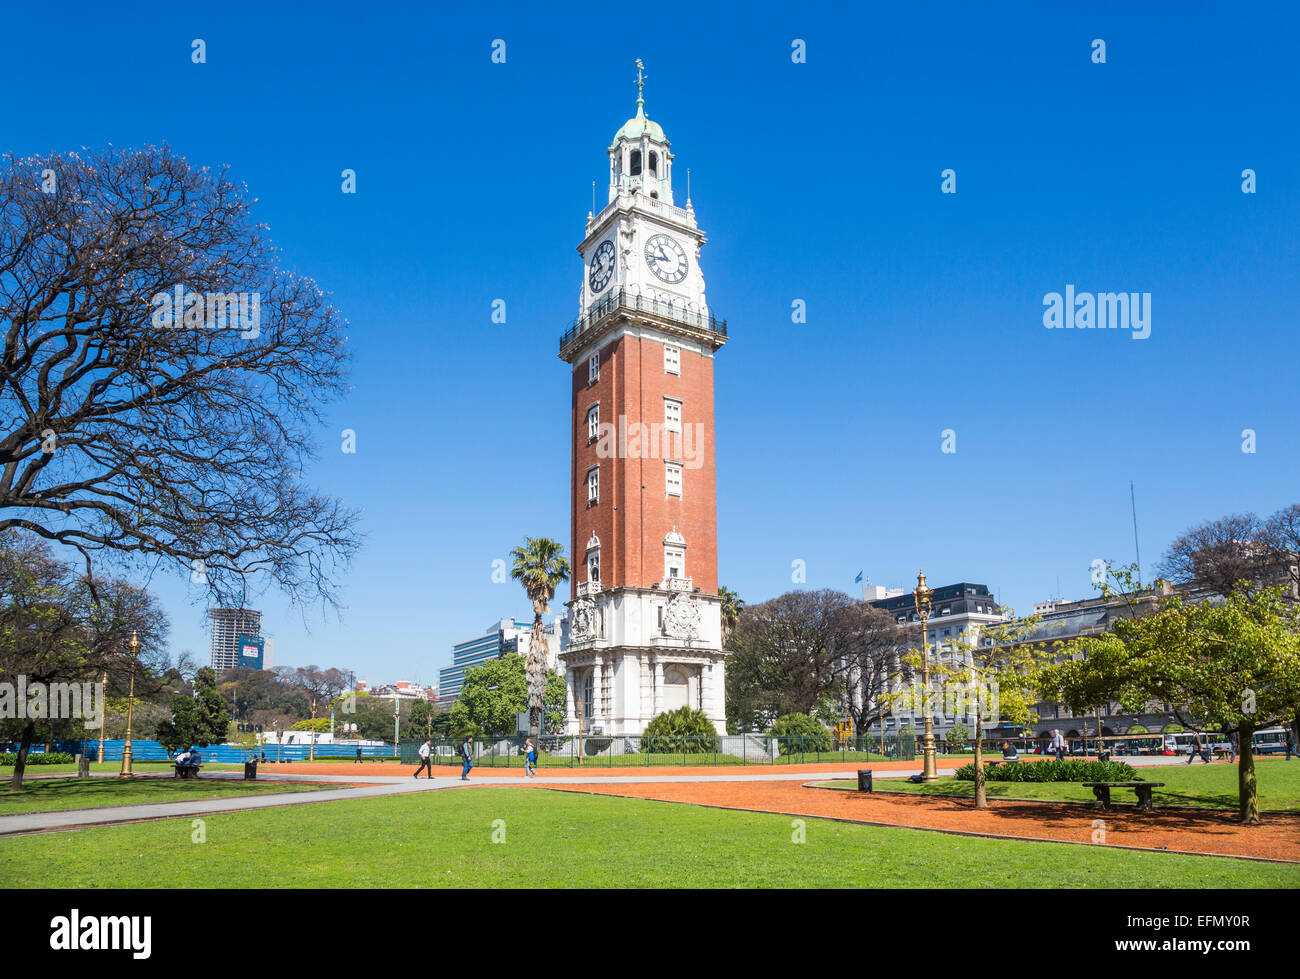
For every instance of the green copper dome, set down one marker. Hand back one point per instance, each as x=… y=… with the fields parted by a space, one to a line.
x=639 y=126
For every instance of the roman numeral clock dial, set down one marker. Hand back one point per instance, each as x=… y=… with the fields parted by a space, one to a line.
x=602 y=266
x=666 y=258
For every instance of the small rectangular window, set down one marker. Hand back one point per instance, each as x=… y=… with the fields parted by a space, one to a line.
x=593 y=423
x=674 y=562
x=672 y=415
x=673 y=478
x=672 y=360
x=593 y=485
x=593 y=368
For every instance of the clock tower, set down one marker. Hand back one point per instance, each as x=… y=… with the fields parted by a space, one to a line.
x=645 y=623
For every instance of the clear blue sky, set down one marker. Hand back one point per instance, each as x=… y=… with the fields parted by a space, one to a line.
x=818 y=181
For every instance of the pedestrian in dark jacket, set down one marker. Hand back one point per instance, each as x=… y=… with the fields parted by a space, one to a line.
x=466 y=758
x=1198 y=748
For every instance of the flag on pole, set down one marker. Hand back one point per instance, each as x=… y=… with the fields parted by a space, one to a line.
x=858 y=579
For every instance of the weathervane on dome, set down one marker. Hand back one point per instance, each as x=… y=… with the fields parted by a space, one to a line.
x=640 y=84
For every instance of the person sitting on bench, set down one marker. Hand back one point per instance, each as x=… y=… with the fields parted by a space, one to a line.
x=1009 y=752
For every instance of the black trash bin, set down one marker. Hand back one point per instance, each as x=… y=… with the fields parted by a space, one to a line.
x=864 y=780
x=250 y=770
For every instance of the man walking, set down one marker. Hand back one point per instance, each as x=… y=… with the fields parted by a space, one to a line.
x=1197 y=748
x=425 y=760
x=1058 y=745
x=530 y=759
x=1233 y=745
x=1288 y=735
x=466 y=757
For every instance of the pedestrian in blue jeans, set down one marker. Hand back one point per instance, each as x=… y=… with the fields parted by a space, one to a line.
x=530 y=759
x=466 y=758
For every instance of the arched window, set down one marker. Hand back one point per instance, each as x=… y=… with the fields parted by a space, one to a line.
x=654 y=164
x=634 y=166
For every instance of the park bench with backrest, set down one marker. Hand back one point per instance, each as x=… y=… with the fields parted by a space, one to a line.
x=188 y=767
x=1142 y=789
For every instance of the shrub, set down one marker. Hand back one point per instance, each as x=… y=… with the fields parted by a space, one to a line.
x=800 y=733
x=34 y=758
x=1053 y=771
x=682 y=731
x=1136 y=729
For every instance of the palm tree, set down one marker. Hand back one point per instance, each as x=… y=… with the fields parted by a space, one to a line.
x=540 y=566
x=732 y=606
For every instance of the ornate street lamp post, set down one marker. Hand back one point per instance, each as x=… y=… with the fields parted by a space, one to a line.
x=130 y=711
x=102 y=712
x=922 y=595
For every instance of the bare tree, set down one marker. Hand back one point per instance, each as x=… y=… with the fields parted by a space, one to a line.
x=162 y=375
x=1221 y=553
x=869 y=657
x=1282 y=532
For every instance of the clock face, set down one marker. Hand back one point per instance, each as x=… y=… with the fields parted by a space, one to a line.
x=666 y=258
x=602 y=266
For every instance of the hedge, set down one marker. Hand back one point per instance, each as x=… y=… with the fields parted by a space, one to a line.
x=37 y=758
x=1053 y=771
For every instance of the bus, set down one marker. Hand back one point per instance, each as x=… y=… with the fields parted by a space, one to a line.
x=1271 y=740
x=1181 y=744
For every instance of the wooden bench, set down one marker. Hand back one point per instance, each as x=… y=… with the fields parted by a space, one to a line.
x=1142 y=789
x=187 y=771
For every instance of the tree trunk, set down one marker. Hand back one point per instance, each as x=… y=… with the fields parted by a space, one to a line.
x=535 y=671
x=981 y=801
x=1247 y=789
x=20 y=763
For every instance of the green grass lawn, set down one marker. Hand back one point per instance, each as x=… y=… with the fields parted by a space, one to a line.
x=47 y=795
x=560 y=839
x=1212 y=786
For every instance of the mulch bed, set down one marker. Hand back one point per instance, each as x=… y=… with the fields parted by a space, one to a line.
x=1201 y=832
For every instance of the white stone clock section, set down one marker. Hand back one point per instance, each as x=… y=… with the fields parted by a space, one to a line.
x=641 y=651
x=653 y=257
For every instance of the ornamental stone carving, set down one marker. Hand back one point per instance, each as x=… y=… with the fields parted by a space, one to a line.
x=682 y=617
x=582 y=624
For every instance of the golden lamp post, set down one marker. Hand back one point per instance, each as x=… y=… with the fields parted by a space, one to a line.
x=130 y=710
x=922 y=595
x=104 y=694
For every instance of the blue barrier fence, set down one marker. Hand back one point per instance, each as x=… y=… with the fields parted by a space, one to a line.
x=153 y=751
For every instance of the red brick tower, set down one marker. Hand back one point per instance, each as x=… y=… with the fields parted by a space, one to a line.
x=645 y=617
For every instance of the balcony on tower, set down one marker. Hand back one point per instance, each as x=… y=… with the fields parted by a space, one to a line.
x=620 y=304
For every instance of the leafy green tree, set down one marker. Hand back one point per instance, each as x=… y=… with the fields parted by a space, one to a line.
x=958 y=735
x=320 y=725
x=540 y=566
x=993 y=674
x=800 y=733
x=681 y=731
x=1234 y=665
x=419 y=722
x=782 y=656
x=61 y=625
x=496 y=692
x=200 y=720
